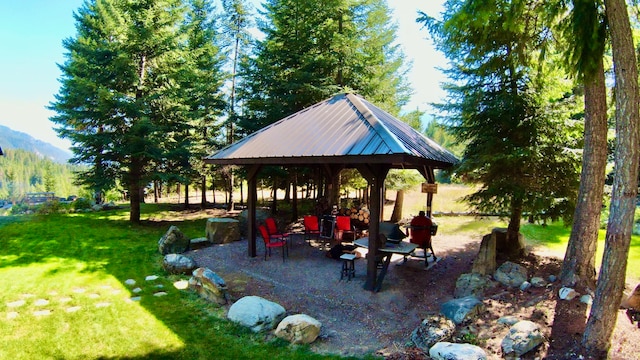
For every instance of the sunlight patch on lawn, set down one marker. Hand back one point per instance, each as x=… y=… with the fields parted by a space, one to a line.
x=72 y=313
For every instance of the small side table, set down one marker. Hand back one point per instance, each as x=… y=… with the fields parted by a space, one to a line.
x=348 y=267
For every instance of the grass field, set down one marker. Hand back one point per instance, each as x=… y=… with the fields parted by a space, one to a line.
x=64 y=293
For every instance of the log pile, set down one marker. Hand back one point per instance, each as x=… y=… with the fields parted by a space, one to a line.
x=359 y=217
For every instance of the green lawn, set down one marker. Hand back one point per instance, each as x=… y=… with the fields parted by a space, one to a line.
x=64 y=294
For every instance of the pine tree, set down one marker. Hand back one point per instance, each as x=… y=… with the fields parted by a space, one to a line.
x=498 y=108
x=118 y=103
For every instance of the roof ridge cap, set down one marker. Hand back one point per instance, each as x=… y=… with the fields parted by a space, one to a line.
x=377 y=124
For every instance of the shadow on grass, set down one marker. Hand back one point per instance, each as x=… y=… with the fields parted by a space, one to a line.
x=107 y=243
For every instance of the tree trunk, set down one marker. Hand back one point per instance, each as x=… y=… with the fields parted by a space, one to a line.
x=186 y=195
x=134 y=189
x=203 y=197
x=294 y=204
x=230 y=184
x=515 y=247
x=396 y=215
x=604 y=311
x=578 y=268
x=274 y=201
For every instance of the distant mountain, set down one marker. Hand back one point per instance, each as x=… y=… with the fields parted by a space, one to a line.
x=11 y=139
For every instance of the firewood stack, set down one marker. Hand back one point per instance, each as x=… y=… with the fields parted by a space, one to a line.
x=359 y=217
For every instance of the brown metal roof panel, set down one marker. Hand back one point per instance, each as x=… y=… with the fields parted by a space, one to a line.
x=418 y=144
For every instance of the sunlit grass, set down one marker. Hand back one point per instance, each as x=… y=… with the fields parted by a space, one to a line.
x=64 y=294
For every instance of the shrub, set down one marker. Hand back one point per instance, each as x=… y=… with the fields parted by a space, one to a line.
x=81 y=204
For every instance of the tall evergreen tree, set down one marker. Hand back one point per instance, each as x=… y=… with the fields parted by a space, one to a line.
x=235 y=24
x=201 y=78
x=313 y=49
x=496 y=107
x=117 y=101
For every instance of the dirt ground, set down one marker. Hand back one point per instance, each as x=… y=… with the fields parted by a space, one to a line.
x=356 y=321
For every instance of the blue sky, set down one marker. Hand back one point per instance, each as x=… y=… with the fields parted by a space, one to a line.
x=31 y=34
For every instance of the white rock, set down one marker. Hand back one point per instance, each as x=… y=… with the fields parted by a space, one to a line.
x=151 y=278
x=42 y=313
x=12 y=315
x=256 y=313
x=136 y=290
x=566 y=293
x=299 y=329
x=130 y=282
x=586 y=299
x=16 y=303
x=181 y=284
x=447 y=351
x=524 y=336
x=41 y=302
x=160 y=293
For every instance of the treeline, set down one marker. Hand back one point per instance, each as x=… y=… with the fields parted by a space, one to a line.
x=149 y=88
x=23 y=172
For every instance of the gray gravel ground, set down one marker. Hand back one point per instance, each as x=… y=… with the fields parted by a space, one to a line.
x=354 y=321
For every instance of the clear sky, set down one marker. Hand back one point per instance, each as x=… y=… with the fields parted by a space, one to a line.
x=31 y=34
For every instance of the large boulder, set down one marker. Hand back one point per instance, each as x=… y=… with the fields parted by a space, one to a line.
x=451 y=351
x=209 y=286
x=462 y=309
x=178 y=264
x=472 y=284
x=261 y=216
x=432 y=330
x=256 y=313
x=222 y=230
x=523 y=337
x=510 y=274
x=173 y=242
x=299 y=329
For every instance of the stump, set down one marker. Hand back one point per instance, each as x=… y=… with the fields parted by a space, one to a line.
x=485 y=262
x=222 y=230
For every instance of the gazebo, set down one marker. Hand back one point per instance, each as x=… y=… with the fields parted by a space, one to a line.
x=345 y=131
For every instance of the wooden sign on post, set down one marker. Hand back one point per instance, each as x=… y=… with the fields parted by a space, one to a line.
x=429 y=188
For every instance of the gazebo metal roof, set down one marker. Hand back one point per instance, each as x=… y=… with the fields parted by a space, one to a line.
x=345 y=129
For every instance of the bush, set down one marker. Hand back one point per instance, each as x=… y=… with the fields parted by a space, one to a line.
x=49 y=207
x=81 y=204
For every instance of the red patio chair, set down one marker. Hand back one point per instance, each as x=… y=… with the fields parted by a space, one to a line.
x=272 y=228
x=269 y=244
x=343 y=227
x=311 y=227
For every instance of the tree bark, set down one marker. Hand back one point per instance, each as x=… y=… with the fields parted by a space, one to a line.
x=186 y=195
x=514 y=247
x=203 y=195
x=396 y=215
x=578 y=268
x=602 y=317
x=134 y=189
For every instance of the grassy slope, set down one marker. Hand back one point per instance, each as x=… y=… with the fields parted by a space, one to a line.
x=83 y=261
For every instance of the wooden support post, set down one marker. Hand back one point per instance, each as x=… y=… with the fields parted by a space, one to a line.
x=375 y=176
x=252 y=200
